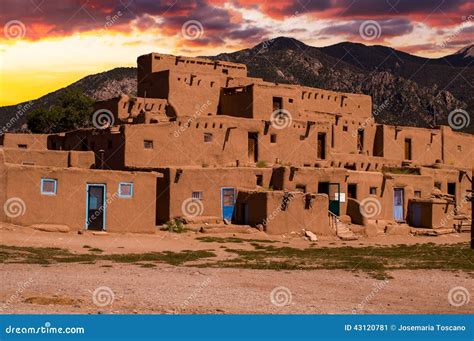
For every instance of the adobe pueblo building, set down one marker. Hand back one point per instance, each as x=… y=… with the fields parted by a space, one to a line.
x=204 y=143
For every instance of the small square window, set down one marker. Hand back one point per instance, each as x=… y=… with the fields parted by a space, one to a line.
x=196 y=195
x=344 y=128
x=417 y=194
x=290 y=100
x=273 y=138
x=301 y=188
x=459 y=147
x=207 y=137
x=148 y=144
x=48 y=186
x=259 y=179
x=373 y=190
x=125 y=190
x=23 y=146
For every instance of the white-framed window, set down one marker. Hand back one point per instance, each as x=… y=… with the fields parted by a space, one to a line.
x=48 y=186
x=125 y=190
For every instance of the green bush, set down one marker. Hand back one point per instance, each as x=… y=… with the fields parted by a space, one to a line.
x=261 y=164
x=71 y=110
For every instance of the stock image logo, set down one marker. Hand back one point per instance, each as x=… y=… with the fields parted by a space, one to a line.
x=281 y=119
x=459 y=119
x=192 y=30
x=103 y=296
x=192 y=207
x=370 y=207
x=14 y=207
x=103 y=119
x=458 y=296
x=281 y=296
x=14 y=29
x=370 y=30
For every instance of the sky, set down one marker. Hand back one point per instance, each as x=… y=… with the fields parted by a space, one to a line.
x=49 y=44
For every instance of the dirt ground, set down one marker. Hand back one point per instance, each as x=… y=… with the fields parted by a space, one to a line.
x=119 y=288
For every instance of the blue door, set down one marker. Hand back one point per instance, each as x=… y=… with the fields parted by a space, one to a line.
x=228 y=203
x=398 y=204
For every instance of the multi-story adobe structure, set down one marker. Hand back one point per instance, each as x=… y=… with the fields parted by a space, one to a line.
x=204 y=142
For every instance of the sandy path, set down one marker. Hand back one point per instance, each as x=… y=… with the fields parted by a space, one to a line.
x=168 y=289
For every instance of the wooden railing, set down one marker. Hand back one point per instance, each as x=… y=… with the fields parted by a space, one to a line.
x=333 y=221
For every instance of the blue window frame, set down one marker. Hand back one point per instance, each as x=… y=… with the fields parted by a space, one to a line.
x=125 y=190
x=48 y=186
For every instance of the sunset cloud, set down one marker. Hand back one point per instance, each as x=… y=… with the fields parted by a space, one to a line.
x=87 y=36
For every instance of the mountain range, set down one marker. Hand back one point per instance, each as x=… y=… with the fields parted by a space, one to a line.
x=410 y=90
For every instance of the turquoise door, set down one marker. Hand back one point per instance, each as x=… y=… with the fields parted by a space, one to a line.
x=228 y=203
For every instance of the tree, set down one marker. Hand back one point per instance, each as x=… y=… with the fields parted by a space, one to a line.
x=72 y=110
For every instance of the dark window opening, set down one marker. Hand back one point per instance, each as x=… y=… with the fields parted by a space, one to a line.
x=360 y=140
x=301 y=188
x=373 y=190
x=290 y=100
x=417 y=194
x=452 y=188
x=437 y=185
x=23 y=146
x=277 y=103
x=344 y=128
x=408 y=149
x=321 y=146
x=148 y=144
x=259 y=178
x=352 y=191
x=273 y=138
x=207 y=137
x=253 y=146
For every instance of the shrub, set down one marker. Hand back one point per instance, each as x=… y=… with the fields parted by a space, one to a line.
x=175 y=226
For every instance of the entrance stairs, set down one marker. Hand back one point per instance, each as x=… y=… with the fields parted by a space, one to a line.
x=341 y=229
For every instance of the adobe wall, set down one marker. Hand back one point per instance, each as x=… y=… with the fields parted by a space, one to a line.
x=30 y=141
x=3 y=184
x=127 y=109
x=184 y=181
x=68 y=206
x=155 y=62
x=458 y=148
x=426 y=144
x=183 y=143
x=297 y=215
x=433 y=213
x=112 y=143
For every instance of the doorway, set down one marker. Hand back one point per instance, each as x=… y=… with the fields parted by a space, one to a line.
x=228 y=203
x=95 y=207
x=253 y=147
x=333 y=191
x=398 y=204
